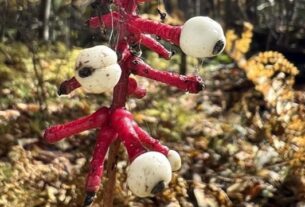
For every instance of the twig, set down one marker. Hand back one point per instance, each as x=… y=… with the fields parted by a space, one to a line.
x=111 y=174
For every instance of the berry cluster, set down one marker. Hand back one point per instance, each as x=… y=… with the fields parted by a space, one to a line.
x=99 y=69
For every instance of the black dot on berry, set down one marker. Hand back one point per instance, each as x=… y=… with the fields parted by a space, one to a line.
x=158 y=187
x=85 y=72
x=218 y=47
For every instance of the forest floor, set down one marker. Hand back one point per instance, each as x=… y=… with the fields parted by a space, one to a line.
x=219 y=133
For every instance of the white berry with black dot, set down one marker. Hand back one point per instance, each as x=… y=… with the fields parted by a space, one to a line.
x=97 y=69
x=202 y=37
x=149 y=174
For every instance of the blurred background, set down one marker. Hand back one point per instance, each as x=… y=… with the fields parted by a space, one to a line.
x=242 y=140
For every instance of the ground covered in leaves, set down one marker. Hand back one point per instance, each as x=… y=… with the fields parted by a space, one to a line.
x=222 y=135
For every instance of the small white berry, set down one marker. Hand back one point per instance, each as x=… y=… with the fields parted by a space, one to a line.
x=97 y=70
x=202 y=37
x=174 y=159
x=148 y=174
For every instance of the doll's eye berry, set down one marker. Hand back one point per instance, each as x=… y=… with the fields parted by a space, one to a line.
x=202 y=37
x=144 y=177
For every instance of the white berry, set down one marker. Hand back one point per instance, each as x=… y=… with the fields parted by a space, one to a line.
x=202 y=37
x=97 y=70
x=174 y=159
x=148 y=174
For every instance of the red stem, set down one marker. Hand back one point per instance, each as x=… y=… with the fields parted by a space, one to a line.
x=120 y=91
x=192 y=84
x=155 y=46
x=135 y=25
x=104 y=139
x=58 y=132
x=149 y=142
x=164 y=31
x=68 y=86
x=121 y=120
x=120 y=94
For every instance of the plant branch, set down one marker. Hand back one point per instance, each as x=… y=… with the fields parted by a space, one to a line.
x=122 y=122
x=192 y=84
x=149 y=142
x=104 y=139
x=59 y=132
x=120 y=94
x=111 y=173
x=68 y=86
x=135 y=23
x=155 y=46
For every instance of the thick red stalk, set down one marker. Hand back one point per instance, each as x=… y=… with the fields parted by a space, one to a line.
x=149 y=142
x=155 y=46
x=192 y=84
x=58 y=132
x=136 y=24
x=120 y=94
x=164 y=31
x=104 y=139
x=68 y=86
x=121 y=120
